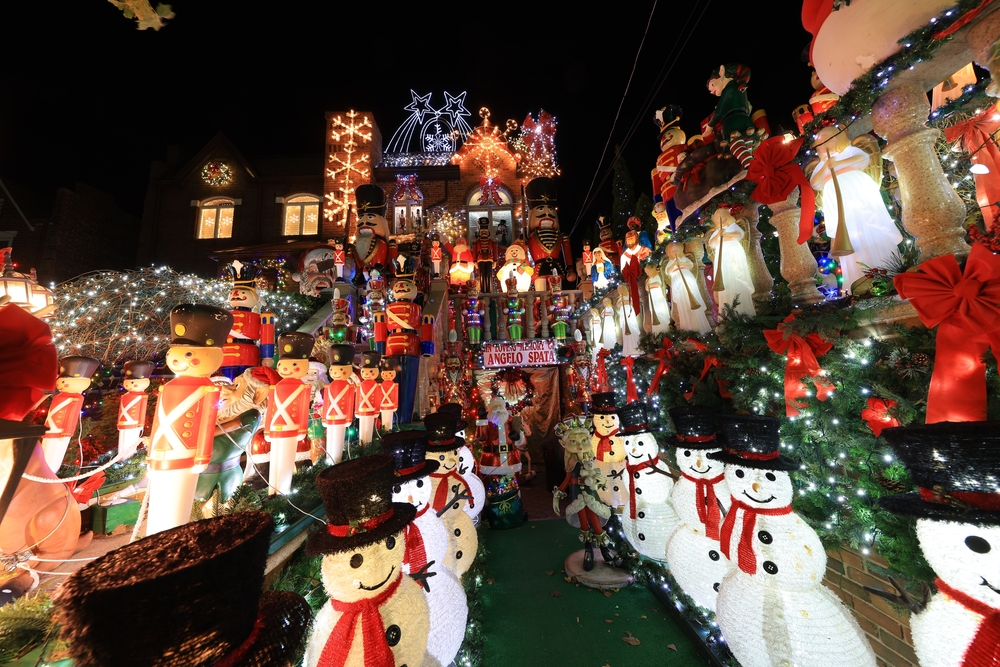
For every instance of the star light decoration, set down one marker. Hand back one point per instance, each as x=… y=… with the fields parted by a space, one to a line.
x=486 y=147
x=438 y=130
x=535 y=145
x=351 y=137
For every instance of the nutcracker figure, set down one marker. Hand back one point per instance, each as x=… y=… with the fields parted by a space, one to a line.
x=401 y=339
x=610 y=247
x=338 y=400
x=389 y=394
x=559 y=311
x=64 y=410
x=514 y=310
x=132 y=406
x=582 y=379
x=437 y=256
x=473 y=315
x=549 y=248
x=486 y=252
x=369 y=396
x=673 y=150
x=371 y=247
x=287 y=420
x=241 y=350
x=184 y=426
x=339 y=258
x=341 y=329
x=452 y=378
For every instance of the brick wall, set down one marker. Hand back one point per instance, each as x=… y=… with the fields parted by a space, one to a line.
x=887 y=626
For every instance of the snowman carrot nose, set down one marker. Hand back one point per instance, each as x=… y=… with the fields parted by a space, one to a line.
x=756 y=487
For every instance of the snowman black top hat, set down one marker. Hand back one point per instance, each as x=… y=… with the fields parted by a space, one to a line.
x=187 y=597
x=441 y=428
x=956 y=466
x=696 y=427
x=751 y=441
x=603 y=403
x=456 y=410
x=408 y=450
x=632 y=419
x=357 y=496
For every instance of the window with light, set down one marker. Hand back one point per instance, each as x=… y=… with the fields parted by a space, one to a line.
x=215 y=219
x=301 y=215
x=501 y=216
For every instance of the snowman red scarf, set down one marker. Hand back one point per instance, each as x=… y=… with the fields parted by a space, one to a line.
x=632 y=470
x=707 y=503
x=416 y=554
x=984 y=651
x=376 y=647
x=441 y=496
x=747 y=558
x=605 y=445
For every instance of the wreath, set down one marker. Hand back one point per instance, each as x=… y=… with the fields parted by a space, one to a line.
x=217 y=173
x=515 y=387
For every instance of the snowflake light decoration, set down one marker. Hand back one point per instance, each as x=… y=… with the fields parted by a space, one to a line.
x=350 y=135
x=217 y=173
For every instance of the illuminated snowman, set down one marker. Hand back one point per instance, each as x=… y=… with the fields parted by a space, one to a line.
x=376 y=612
x=648 y=520
x=451 y=491
x=427 y=545
x=694 y=552
x=772 y=607
x=958 y=526
x=608 y=450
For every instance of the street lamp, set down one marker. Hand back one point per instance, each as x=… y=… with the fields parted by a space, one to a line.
x=24 y=290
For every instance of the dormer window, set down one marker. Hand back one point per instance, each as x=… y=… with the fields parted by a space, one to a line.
x=301 y=215
x=215 y=219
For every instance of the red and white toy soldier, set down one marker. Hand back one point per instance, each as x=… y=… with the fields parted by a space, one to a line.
x=184 y=426
x=389 y=395
x=339 y=258
x=588 y=258
x=404 y=319
x=251 y=341
x=437 y=256
x=287 y=419
x=371 y=247
x=338 y=400
x=64 y=410
x=132 y=407
x=369 y=396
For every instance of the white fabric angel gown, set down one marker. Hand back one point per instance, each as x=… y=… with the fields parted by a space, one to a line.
x=679 y=270
x=658 y=307
x=735 y=270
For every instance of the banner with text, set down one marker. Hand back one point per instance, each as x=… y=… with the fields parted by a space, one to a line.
x=520 y=353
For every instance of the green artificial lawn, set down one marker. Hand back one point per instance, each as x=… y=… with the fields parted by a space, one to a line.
x=524 y=623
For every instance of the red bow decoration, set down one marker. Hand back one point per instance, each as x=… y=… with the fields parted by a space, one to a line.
x=665 y=354
x=539 y=136
x=630 y=274
x=406 y=188
x=965 y=307
x=776 y=174
x=800 y=362
x=976 y=136
x=711 y=361
x=877 y=415
x=631 y=394
x=602 y=369
x=376 y=647
x=28 y=363
x=490 y=194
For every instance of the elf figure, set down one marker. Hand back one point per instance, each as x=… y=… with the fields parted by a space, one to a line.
x=486 y=251
x=389 y=395
x=369 y=396
x=688 y=306
x=673 y=150
x=132 y=405
x=406 y=336
x=376 y=615
x=437 y=256
x=549 y=249
x=516 y=266
x=731 y=121
x=241 y=349
x=699 y=498
x=339 y=258
x=371 y=247
x=776 y=588
x=581 y=376
x=180 y=446
x=609 y=453
x=63 y=416
x=287 y=419
x=338 y=400
x=732 y=271
x=659 y=308
x=602 y=270
x=473 y=315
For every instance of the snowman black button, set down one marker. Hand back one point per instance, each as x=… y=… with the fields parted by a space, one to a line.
x=765 y=537
x=458 y=532
x=458 y=555
x=642 y=515
x=642 y=537
x=770 y=567
x=616 y=488
x=715 y=587
x=638 y=492
x=636 y=475
x=392 y=635
x=713 y=554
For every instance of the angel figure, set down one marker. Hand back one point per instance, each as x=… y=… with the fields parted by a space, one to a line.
x=628 y=323
x=602 y=270
x=688 y=306
x=659 y=309
x=610 y=334
x=732 y=272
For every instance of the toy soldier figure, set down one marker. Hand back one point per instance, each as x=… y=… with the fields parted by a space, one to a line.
x=400 y=339
x=288 y=409
x=181 y=444
x=473 y=315
x=612 y=249
x=588 y=258
x=486 y=253
x=437 y=256
x=389 y=395
x=132 y=406
x=338 y=400
x=549 y=249
x=582 y=378
x=673 y=150
x=369 y=396
x=64 y=410
x=371 y=247
x=240 y=351
x=339 y=258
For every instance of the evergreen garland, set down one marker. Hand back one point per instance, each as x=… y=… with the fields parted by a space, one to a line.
x=25 y=624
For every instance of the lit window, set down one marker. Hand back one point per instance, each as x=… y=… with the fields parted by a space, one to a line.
x=501 y=216
x=215 y=219
x=301 y=215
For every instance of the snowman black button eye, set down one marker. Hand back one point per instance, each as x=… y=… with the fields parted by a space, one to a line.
x=687 y=452
x=390 y=543
x=441 y=458
x=715 y=587
x=977 y=544
x=357 y=560
x=770 y=476
x=739 y=473
x=420 y=483
x=396 y=488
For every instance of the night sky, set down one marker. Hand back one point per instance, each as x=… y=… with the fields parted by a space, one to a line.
x=84 y=96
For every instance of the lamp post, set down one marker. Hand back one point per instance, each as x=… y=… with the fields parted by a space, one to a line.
x=24 y=290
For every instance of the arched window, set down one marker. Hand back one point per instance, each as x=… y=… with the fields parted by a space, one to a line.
x=301 y=215
x=215 y=219
x=501 y=216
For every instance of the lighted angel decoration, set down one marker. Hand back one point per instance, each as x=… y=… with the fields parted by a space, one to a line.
x=689 y=312
x=659 y=308
x=602 y=270
x=628 y=323
x=610 y=333
x=733 y=284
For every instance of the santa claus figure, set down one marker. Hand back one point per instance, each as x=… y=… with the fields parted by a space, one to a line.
x=338 y=400
x=287 y=420
x=549 y=248
x=64 y=410
x=132 y=407
x=462 y=266
x=371 y=247
x=184 y=426
x=369 y=396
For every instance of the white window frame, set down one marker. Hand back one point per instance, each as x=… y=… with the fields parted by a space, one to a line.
x=301 y=205
x=217 y=204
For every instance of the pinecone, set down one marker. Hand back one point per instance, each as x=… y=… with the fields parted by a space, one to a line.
x=920 y=359
x=891 y=485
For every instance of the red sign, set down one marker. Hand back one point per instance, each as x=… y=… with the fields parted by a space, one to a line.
x=517 y=353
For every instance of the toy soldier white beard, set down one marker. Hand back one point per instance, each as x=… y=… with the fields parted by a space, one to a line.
x=364 y=241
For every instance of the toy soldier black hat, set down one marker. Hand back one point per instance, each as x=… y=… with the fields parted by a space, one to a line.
x=751 y=441
x=370 y=199
x=603 y=403
x=341 y=355
x=370 y=359
x=243 y=275
x=632 y=419
x=696 y=427
x=201 y=605
x=295 y=345
x=956 y=467
x=199 y=324
x=408 y=450
x=441 y=428
x=77 y=367
x=667 y=117
x=357 y=495
x=138 y=370
x=541 y=191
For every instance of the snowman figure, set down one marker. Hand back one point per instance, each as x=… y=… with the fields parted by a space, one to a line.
x=427 y=545
x=958 y=526
x=772 y=607
x=451 y=492
x=466 y=461
x=648 y=520
x=694 y=552
x=608 y=450
x=376 y=614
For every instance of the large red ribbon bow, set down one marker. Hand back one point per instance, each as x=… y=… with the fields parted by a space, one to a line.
x=747 y=559
x=665 y=354
x=489 y=191
x=376 y=647
x=965 y=307
x=707 y=503
x=776 y=174
x=630 y=274
x=631 y=393
x=877 y=415
x=711 y=361
x=976 y=137
x=800 y=362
